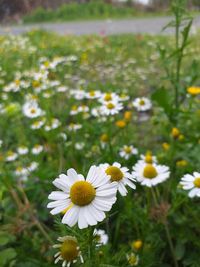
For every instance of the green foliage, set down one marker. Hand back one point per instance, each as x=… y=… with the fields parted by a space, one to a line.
x=75 y=11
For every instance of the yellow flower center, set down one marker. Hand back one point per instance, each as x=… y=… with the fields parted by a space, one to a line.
x=33 y=111
x=110 y=106
x=148 y=159
x=92 y=93
x=69 y=250
x=142 y=102
x=128 y=149
x=17 y=82
x=35 y=84
x=104 y=138
x=115 y=173
x=82 y=193
x=150 y=171
x=108 y=97
x=74 y=108
x=197 y=182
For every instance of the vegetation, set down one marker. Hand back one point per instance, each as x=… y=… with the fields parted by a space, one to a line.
x=75 y=102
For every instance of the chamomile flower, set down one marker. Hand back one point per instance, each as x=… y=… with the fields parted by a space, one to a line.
x=120 y=175
x=1 y=142
x=74 y=126
x=11 y=156
x=22 y=150
x=83 y=200
x=21 y=172
x=192 y=183
x=69 y=251
x=127 y=151
x=53 y=124
x=132 y=259
x=111 y=108
x=142 y=104
x=148 y=158
x=93 y=94
x=101 y=237
x=32 y=110
x=150 y=174
x=37 y=124
x=109 y=97
x=32 y=166
x=37 y=149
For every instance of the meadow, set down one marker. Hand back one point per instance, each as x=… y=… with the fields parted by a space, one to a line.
x=99 y=149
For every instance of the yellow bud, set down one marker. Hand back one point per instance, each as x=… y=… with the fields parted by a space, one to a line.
x=120 y=124
x=136 y=245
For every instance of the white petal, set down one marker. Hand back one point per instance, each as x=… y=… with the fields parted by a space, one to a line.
x=71 y=216
x=82 y=222
x=57 y=195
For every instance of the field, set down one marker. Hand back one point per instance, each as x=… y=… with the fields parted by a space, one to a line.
x=69 y=103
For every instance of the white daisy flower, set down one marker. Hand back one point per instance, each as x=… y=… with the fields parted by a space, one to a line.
x=22 y=150
x=74 y=110
x=1 y=142
x=69 y=251
x=53 y=124
x=111 y=108
x=79 y=146
x=32 y=166
x=37 y=124
x=74 y=126
x=20 y=171
x=148 y=158
x=32 y=110
x=120 y=175
x=127 y=151
x=108 y=97
x=100 y=237
x=192 y=183
x=37 y=149
x=142 y=104
x=93 y=94
x=11 y=156
x=83 y=200
x=150 y=174
x=132 y=259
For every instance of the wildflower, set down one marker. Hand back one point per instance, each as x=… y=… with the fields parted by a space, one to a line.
x=120 y=123
x=53 y=124
x=84 y=200
x=20 y=171
x=127 y=151
x=32 y=110
x=181 y=163
x=148 y=158
x=150 y=174
x=22 y=150
x=166 y=146
x=74 y=127
x=37 y=124
x=111 y=108
x=109 y=97
x=175 y=133
x=37 y=149
x=11 y=156
x=192 y=183
x=127 y=116
x=142 y=104
x=194 y=90
x=104 y=140
x=101 y=237
x=120 y=175
x=69 y=251
x=79 y=146
x=133 y=259
x=137 y=244
x=32 y=166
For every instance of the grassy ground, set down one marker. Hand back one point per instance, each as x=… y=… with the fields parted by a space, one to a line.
x=87 y=11
x=129 y=66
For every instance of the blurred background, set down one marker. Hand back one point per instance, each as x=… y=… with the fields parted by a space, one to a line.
x=64 y=10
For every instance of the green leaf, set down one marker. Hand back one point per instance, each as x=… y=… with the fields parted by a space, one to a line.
x=5 y=238
x=179 y=250
x=6 y=256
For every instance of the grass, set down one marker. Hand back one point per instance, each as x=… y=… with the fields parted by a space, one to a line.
x=128 y=65
x=86 y=11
